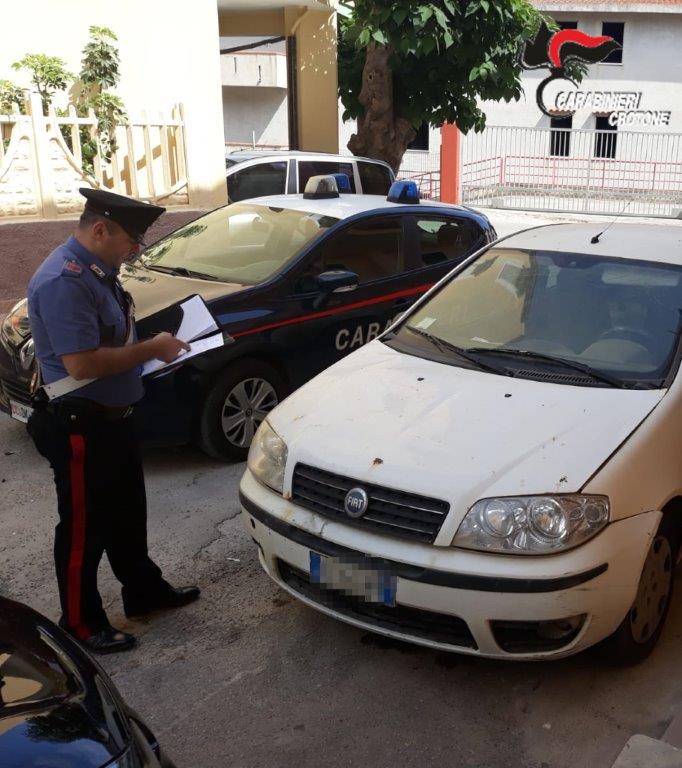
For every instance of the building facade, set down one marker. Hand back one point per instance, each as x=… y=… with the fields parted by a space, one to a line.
x=610 y=143
x=178 y=91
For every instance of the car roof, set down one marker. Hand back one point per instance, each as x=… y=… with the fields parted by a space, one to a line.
x=650 y=242
x=344 y=206
x=242 y=155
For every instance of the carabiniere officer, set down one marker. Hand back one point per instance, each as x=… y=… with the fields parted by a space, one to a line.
x=90 y=360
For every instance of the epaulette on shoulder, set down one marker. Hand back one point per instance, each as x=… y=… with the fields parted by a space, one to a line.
x=72 y=268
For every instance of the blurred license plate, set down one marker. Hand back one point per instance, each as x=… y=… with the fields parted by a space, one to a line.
x=19 y=411
x=353 y=577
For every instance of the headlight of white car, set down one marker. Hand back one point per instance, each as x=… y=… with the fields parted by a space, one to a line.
x=532 y=525
x=268 y=457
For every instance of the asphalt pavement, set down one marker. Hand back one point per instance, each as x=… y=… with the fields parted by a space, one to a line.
x=248 y=677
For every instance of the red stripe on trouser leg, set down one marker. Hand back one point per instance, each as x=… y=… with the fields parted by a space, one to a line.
x=77 y=549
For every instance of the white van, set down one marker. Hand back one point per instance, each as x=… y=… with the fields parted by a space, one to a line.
x=255 y=173
x=501 y=472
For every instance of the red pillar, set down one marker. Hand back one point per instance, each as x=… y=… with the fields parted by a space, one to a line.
x=450 y=164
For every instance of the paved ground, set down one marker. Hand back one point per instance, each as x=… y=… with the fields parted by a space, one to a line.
x=23 y=245
x=247 y=677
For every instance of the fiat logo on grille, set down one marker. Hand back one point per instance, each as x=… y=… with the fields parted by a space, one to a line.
x=356 y=502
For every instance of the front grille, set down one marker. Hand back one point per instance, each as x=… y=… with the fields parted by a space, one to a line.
x=392 y=512
x=17 y=390
x=437 y=627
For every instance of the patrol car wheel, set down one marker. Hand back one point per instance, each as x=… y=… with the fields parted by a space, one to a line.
x=237 y=403
x=636 y=637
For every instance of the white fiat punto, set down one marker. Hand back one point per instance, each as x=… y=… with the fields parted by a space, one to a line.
x=501 y=472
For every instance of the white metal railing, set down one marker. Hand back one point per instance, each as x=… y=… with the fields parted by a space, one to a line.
x=563 y=169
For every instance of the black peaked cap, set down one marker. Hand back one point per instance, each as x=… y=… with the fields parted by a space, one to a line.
x=134 y=216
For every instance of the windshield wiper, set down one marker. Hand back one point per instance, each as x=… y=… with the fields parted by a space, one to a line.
x=182 y=271
x=607 y=378
x=446 y=346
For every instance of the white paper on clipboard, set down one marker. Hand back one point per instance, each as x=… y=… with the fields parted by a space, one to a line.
x=195 y=348
x=196 y=320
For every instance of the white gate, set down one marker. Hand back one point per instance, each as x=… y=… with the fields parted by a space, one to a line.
x=41 y=161
x=583 y=171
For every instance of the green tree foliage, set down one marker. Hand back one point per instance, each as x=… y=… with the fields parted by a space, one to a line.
x=99 y=72
x=402 y=63
x=100 y=63
x=10 y=94
x=48 y=74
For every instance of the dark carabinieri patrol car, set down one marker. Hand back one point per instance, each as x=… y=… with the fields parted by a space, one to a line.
x=58 y=707
x=296 y=281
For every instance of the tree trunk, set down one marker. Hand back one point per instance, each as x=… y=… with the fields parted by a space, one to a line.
x=381 y=134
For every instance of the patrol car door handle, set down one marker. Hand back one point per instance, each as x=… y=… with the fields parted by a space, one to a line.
x=404 y=303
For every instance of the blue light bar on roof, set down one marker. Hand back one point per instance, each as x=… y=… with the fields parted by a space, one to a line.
x=403 y=192
x=342 y=182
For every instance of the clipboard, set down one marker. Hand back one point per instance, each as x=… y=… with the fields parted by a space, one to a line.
x=189 y=319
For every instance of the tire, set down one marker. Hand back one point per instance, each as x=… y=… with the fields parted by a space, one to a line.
x=639 y=631
x=222 y=433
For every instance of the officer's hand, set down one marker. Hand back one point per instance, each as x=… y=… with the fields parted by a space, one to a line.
x=167 y=347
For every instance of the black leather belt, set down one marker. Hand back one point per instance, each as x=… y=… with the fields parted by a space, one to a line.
x=84 y=408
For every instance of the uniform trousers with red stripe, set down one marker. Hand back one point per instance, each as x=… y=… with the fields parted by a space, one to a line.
x=102 y=507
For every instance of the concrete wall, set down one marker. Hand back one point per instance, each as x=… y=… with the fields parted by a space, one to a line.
x=169 y=54
x=255 y=111
x=250 y=68
x=318 y=117
x=315 y=33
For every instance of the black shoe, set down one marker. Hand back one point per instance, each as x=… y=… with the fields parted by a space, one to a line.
x=174 y=597
x=107 y=640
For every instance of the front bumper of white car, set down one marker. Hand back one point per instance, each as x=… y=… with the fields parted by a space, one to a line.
x=451 y=599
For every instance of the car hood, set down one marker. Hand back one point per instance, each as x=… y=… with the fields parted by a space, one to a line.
x=55 y=707
x=153 y=291
x=453 y=433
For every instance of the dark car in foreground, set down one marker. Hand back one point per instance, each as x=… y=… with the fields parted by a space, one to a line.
x=296 y=281
x=58 y=707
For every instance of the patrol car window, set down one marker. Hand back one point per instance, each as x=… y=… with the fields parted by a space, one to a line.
x=240 y=243
x=373 y=249
x=308 y=168
x=257 y=181
x=618 y=316
x=375 y=179
x=443 y=240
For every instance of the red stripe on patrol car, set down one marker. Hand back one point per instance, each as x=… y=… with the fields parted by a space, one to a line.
x=337 y=310
x=75 y=566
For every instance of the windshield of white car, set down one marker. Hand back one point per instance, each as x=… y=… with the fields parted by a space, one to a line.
x=240 y=243
x=615 y=321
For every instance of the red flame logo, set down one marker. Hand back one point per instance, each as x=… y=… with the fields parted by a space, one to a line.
x=559 y=39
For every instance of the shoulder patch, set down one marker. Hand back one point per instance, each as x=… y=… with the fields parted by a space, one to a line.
x=72 y=268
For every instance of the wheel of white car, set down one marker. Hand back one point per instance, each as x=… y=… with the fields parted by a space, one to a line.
x=637 y=635
x=238 y=401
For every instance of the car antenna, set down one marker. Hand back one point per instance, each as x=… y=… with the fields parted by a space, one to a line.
x=595 y=239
